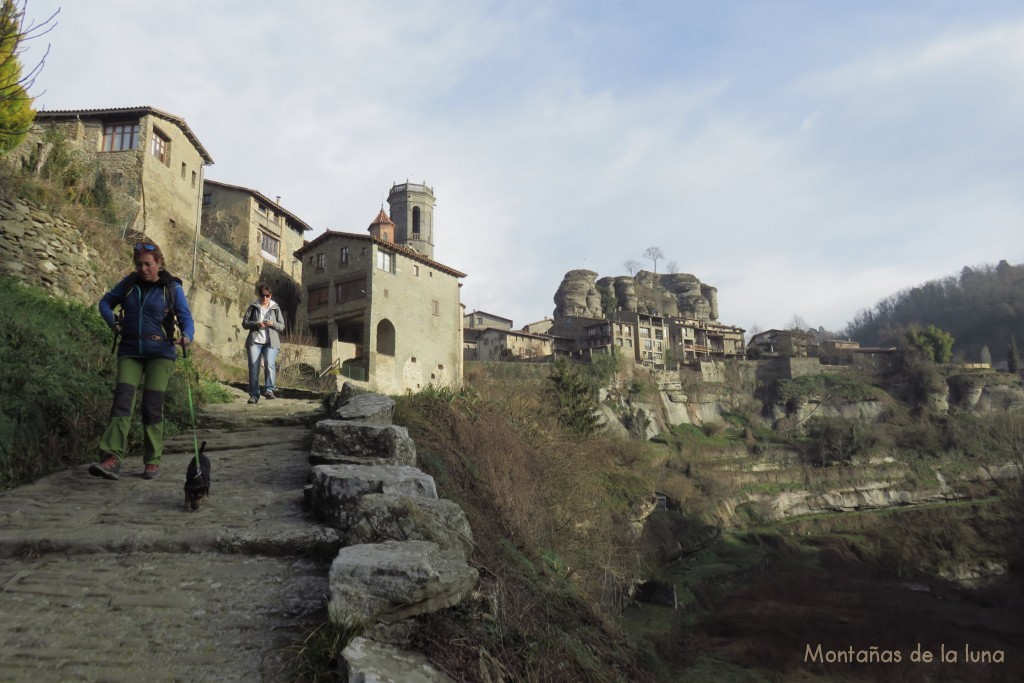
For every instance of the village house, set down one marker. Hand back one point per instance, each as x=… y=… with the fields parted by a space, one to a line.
x=390 y=316
x=481 y=320
x=652 y=341
x=151 y=160
x=782 y=343
x=473 y=325
x=494 y=344
x=260 y=232
x=542 y=326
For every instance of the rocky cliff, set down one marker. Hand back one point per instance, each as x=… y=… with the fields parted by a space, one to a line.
x=681 y=295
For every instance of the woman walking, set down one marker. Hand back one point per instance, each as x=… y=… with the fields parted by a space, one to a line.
x=152 y=302
x=265 y=322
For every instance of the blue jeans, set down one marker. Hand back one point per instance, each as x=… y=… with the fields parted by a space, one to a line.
x=261 y=354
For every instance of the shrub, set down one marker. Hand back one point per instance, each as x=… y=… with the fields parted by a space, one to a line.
x=837 y=440
x=550 y=512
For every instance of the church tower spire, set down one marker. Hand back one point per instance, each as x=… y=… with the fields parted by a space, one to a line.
x=382 y=228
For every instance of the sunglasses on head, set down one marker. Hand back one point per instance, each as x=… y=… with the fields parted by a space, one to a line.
x=145 y=245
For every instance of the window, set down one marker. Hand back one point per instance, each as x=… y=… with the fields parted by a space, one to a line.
x=161 y=147
x=120 y=137
x=416 y=221
x=194 y=178
x=350 y=290
x=207 y=198
x=386 y=261
x=317 y=297
x=261 y=209
x=344 y=256
x=320 y=261
x=183 y=169
x=270 y=246
x=171 y=224
x=435 y=305
x=416 y=270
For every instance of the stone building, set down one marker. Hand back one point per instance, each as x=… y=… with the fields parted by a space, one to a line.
x=149 y=158
x=260 y=232
x=390 y=315
x=658 y=321
x=783 y=343
x=494 y=344
x=412 y=210
x=481 y=320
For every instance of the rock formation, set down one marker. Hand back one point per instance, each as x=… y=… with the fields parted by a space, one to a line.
x=679 y=295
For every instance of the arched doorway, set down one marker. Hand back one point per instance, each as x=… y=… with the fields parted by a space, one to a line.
x=386 y=338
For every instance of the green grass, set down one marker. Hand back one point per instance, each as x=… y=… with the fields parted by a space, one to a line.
x=56 y=384
x=822 y=386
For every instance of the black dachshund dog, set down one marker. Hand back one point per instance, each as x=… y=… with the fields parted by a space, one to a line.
x=197 y=480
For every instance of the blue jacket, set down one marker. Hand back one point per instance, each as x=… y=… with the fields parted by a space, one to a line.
x=146 y=329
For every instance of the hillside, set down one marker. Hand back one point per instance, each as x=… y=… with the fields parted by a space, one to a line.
x=981 y=307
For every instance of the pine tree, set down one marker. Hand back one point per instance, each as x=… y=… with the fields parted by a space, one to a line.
x=16 y=113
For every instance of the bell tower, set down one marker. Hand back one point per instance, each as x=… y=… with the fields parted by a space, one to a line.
x=412 y=210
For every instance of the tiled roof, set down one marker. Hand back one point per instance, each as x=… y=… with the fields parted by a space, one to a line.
x=401 y=249
x=303 y=225
x=382 y=219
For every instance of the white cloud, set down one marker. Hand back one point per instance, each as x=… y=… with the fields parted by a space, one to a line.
x=552 y=145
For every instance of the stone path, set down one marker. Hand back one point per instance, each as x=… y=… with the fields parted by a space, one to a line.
x=116 y=581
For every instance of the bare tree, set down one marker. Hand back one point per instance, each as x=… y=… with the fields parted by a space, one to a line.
x=797 y=323
x=672 y=267
x=632 y=266
x=655 y=254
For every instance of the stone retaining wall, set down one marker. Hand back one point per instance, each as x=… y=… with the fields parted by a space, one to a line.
x=48 y=252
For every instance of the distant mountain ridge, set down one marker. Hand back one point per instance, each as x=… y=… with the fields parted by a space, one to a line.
x=982 y=306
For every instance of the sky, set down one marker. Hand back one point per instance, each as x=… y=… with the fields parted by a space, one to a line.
x=806 y=158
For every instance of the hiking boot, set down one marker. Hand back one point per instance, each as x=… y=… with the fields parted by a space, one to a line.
x=269 y=395
x=151 y=472
x=253 y=400
x=109 y=468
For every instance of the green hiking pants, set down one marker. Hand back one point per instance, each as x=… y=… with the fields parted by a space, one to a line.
x=130 y=372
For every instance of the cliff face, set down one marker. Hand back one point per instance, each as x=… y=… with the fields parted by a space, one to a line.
x=670 y=295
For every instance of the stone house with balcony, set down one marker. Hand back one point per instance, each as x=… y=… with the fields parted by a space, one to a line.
x=386 y=314
x=151 y=160
x=261 y=233
x=652 y=341
x=695 y=340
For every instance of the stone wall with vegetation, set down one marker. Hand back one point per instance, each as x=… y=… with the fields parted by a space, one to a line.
x=48 y=252
x=81 y=264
